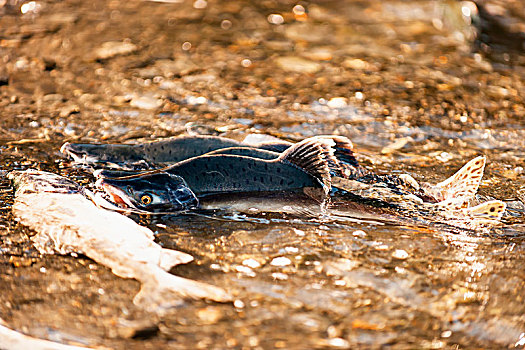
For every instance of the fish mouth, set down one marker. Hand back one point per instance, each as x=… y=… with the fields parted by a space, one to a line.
x=115 y=195
x=78 y=156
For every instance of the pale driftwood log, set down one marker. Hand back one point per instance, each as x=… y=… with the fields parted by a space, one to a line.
x=66 y=222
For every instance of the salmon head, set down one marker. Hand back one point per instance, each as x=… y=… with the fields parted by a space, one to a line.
x=157 y=192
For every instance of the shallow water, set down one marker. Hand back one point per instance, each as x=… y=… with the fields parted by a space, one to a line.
x=408 y=83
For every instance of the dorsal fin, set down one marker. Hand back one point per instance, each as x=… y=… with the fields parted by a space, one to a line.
x=247 y=152
x=346 y=165
x=464 y=183
x=267 y=142
x=491 y=210
x=312 y=155
x=274 y=146
x=344 y=149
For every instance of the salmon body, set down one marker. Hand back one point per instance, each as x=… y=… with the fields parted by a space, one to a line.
x=148 y=155
x=319 y=163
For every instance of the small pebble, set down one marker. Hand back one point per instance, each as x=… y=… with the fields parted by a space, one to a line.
x=114 y=48
x=298 y=64
x=280 y=261
x=209 y=315
x=400 y=254
x=200 y=100
x=396 y=145
x=239 y=304
x=356 y=64
x=53 y=98
x=251 y=263
x=245 y=270
x=446 y=334
x=359 y=233
x=279 y=276
x=338 y=343
x=275 y=18
x=337 y=102
x=68 y=110
x=299 y=232
x=400 y=270
x=319 y=54
x=200 y=4
x=145 y=102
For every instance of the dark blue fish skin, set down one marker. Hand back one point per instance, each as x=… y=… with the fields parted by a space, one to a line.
x=180 y=148
x=239 y=151
x=205 y=175
x=229 y=173
x=103 y=153
x=170 y=150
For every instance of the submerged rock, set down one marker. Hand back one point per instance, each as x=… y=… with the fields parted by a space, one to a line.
x=114 y=48
x=145 y=102
x=298 y=65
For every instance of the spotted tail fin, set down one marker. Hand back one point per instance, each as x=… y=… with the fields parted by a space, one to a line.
x=481 y=217
x=464 y=183
x=492 y=210
x=313 y=155
x=451 y=205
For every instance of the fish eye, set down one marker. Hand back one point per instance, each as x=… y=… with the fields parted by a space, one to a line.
x=146 y=199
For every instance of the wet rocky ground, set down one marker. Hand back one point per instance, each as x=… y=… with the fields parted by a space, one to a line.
x=419 y=87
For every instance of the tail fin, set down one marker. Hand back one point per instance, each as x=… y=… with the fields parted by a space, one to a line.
x=451 y=205
x=464 y=183
x=481 y=217
x=492 y=210
x=313 y=155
